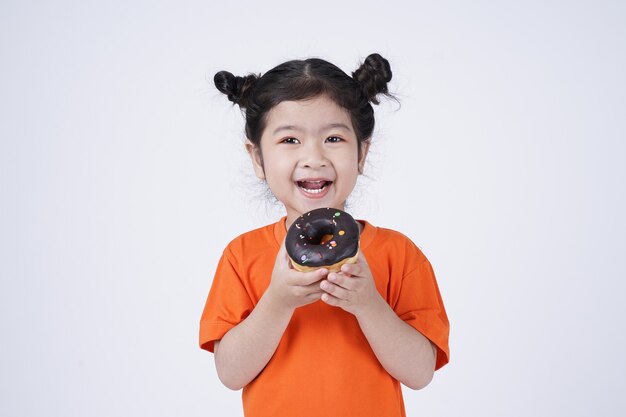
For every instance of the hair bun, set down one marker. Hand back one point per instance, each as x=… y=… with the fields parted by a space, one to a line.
x=373 y=76
x=236 y=88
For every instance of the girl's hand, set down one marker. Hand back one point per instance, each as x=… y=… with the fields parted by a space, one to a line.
x=290 y=288
x=353 y=288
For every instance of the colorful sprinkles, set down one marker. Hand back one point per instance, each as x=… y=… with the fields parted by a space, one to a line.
x=306 y=236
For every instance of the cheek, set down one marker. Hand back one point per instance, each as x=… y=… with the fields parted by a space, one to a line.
x=278 y=169
x=348 y=175
x=350 y=162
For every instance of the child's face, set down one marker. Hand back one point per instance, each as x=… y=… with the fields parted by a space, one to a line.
x=309 y=155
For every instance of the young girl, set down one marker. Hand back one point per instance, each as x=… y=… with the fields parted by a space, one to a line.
x=319 y=343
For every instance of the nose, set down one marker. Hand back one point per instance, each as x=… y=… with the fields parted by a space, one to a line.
x=313 y=156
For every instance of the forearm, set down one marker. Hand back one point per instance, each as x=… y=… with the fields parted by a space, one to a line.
x=244 y=351
x=404 y=352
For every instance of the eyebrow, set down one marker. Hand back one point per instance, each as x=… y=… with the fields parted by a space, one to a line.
x=299 y=129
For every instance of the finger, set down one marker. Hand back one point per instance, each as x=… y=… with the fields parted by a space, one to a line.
x=309 y=293
x=312 y=289
x=330 y=300
x=345 y=281
x=314 y=296
x=351 y=269
x=307 y=278
x=313 y=293
x=282 y=258
x=335 y=290
x=362 y=261
x=360 y=268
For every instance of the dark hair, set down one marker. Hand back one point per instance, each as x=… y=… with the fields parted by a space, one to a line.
x=300 y=80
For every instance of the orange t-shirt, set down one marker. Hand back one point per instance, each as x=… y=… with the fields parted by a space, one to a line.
x=323 y=365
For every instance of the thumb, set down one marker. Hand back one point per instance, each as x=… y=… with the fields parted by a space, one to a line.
x=282 y=258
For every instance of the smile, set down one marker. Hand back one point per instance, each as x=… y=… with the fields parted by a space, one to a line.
x=314 y=188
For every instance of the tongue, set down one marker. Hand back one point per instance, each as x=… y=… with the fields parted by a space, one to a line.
x=311 y=185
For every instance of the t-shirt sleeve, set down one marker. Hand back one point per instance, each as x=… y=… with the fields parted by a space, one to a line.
x=420 y=305
x=228 y=302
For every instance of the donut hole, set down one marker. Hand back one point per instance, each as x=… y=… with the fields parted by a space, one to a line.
x=325 y=239
x=320 y=233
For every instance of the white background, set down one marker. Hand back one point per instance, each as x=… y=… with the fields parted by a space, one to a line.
x=123 y=176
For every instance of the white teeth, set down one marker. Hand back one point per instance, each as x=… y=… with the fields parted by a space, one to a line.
x=317 y=191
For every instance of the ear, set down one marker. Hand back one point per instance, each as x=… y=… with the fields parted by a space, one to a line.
x=257 y=159
x=365 y=147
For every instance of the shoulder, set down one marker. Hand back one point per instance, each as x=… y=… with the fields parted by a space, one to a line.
x=383 y=237
x=262 y=238
x=393 y=246
x=392 y=235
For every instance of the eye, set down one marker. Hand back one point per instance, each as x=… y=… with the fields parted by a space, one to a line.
x=334 y=139
x=291 y=141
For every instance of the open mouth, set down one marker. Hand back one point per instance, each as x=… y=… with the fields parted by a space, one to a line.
x=313 y=187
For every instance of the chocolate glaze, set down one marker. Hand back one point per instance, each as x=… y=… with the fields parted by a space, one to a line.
x=303 y=241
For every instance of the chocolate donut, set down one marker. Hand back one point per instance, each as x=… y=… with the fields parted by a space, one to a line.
x=324 y=237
